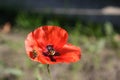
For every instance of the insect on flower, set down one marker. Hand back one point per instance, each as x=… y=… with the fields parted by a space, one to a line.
x=48 y=45
x=34 y=54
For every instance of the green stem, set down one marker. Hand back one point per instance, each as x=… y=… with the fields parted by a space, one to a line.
x=48 y=69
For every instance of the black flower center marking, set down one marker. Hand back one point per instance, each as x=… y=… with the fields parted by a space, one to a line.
x=51 y=52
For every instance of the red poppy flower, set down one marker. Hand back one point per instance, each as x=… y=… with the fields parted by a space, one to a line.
x=48 y=45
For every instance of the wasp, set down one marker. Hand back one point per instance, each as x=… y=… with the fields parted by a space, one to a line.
x=34 y=53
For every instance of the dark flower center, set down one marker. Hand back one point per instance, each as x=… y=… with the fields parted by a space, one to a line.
x=50 y=49
x=51 y=52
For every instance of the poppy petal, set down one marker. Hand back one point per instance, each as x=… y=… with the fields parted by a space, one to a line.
x=69 y=53
x=29 y=42
x=31 y=46
x=51 y=35
x=43 y=59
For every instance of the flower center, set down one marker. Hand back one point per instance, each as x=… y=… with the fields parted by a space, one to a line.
x=50 y=49
x=51 y=53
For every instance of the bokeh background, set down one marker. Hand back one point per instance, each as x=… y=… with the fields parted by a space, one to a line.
x=93 y=25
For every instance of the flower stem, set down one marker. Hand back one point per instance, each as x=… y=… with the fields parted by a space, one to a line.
x=48 y=69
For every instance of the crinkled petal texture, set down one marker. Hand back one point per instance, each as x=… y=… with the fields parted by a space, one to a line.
x=51 y=35
x=69 y=53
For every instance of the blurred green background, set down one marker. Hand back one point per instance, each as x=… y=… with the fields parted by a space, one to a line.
x=99 y=42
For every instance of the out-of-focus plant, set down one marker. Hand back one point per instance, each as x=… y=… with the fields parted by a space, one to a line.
x=28 y=20
x=75 y=33
x=108 y=29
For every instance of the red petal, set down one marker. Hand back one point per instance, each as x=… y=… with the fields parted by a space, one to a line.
x=30 y=42
x=30 y=45
x=69 y=54
x=51 y=35
x=44 y=60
